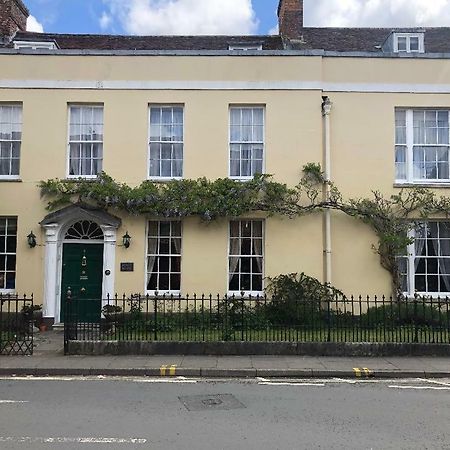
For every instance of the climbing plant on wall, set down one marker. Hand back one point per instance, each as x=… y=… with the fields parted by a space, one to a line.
x=390 y=218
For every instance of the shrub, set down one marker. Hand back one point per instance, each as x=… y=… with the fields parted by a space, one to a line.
x=412 y=312
x=300 y=300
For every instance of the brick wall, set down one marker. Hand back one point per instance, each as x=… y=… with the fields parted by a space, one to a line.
x=290 y=18
x=13 y=17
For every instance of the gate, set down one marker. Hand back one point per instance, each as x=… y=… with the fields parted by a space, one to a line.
x=16 y=325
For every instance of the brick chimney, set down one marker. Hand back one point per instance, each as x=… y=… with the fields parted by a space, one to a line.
x=290 y=18
x=13 y=17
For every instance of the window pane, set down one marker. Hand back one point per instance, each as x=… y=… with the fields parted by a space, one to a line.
x=402 y=44
x=400 y=163
x=166 y=168
x=258 y=116
x=414 y=44
x=257 y=283
x=175 y=282
x=177 y=168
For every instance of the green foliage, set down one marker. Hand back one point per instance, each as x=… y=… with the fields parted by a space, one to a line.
x=299 y=299
x=390 y=218
x=409 y=312
x=177 y=198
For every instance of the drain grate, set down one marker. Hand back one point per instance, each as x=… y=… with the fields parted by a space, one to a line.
x=218 y=402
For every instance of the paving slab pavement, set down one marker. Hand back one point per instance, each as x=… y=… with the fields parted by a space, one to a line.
x=49 y=359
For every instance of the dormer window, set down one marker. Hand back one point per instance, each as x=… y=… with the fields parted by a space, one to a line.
x=38 y=45
x=409 y=43
x=243 y=47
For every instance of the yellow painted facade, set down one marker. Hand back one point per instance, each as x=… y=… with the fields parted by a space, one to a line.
x=364 y=91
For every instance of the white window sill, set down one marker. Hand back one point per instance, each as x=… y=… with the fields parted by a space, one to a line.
x=246 y=294
x=82 y=177
x=161 y=294
x=432 y=184
x=10 y=178
x=7 y=292
x=428 y=295
x=164 y=179
x=243 y=179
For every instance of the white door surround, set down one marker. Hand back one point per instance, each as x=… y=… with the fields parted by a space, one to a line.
x=55 y=226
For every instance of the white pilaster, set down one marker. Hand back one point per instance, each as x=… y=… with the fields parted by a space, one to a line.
x=109 y=259
x=51 y=270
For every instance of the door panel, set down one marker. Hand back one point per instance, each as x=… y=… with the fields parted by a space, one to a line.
x=82 y=272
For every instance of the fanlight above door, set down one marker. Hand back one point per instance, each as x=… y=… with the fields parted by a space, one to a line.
x=85 y=230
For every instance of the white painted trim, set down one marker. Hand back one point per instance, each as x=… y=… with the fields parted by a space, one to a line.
x=35 y=45
x=228 y=85
x=408 y=36
x=51 y=307
x=9 y=177
x=54 y=242
x=109 y=260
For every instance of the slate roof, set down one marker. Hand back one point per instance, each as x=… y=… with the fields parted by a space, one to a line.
x=114 y=42
x=437 y=40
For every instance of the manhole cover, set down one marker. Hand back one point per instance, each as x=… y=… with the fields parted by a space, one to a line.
x=223 y=402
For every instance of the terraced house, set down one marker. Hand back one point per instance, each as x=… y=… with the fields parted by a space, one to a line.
x=371 y=105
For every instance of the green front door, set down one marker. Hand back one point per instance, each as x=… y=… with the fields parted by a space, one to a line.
x=82 y=274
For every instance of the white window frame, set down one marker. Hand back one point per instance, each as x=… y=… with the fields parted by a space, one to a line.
x=164 y=178
x=411 y=271
x=230 y=142
x=246 y=293
x=69 y=112
x=35 y=45
x=243 y=47
x=6 y=253
x=152 y=292
x=410 y=149
x=408 y=37
x=11 y=141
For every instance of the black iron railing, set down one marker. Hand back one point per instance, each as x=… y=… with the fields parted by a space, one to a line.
x=258 y=319
x=16 y=325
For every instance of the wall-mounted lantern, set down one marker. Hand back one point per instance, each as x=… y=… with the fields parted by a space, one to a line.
x=126 y=239
x=31 y=239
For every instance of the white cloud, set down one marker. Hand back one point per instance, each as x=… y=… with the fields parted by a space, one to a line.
x=274 y=30
x=34 y=25
x=184 y=17
x=377 y=13
x=105 y=21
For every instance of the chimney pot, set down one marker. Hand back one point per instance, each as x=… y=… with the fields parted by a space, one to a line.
x=290 y=18
x=13 y=17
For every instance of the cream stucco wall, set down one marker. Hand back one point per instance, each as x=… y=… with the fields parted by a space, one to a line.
x=362 y=139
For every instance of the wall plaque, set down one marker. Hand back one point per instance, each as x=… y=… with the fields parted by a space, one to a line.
x=127 y=267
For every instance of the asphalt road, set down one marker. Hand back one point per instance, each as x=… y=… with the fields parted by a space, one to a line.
x=189 y=414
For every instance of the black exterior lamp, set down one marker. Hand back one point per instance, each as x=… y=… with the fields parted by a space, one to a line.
x=31 y=239
x=126 y=239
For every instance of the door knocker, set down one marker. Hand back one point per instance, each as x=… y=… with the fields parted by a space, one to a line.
x=84 y=259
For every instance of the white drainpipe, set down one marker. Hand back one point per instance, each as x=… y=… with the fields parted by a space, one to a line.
x=326 y=111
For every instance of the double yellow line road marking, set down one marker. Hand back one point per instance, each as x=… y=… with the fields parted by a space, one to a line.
x=169 y=371
x=362 y=372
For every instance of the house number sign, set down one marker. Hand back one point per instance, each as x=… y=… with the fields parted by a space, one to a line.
x=127 y=267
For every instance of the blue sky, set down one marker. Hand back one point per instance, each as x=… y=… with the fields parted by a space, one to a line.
x=83 y=16
x=225 y=16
